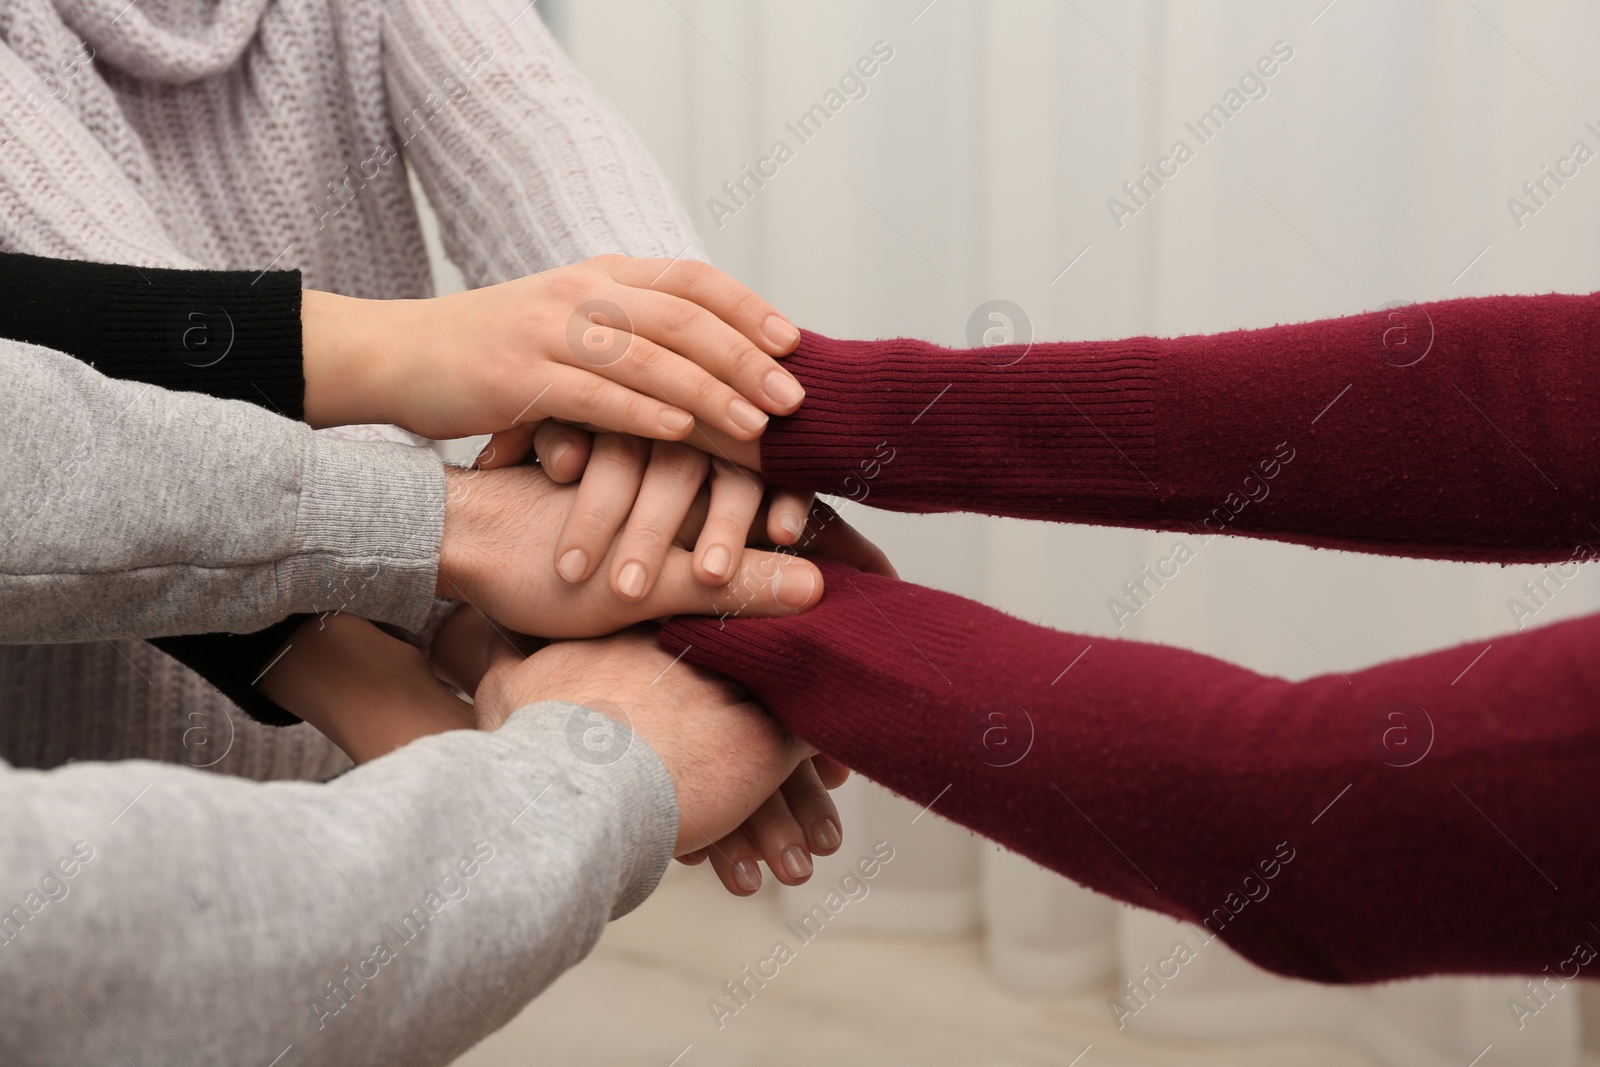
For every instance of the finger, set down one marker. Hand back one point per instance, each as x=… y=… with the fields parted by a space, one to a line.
x=734 y=860
x=673 y=477
x=813 y=809
x=695 y=858
x=563 y=450
x=585 y=398
x=765 y=585
x=735 y=498
x=827 y=534
x=832 y=773
x=712 y=344
x=787 y=510
x=641 y=364
x=605 y=496
x=715 y=291
x=746 y=454
x=506 y=448
x=782 y=842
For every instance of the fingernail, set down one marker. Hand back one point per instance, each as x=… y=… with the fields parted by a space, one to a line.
x=558 y=451
x=747 y=415
x=747 y=875
x=631 y=580
x=790 y=525
x=826 y=831
x=782 y=387
x=780 y=331
x=677 y=421
x=796 y=583
x=717 y=560
x=796 y=864
x=572 y=565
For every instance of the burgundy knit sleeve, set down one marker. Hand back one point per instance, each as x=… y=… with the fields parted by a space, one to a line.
x=1438 y=815
x=1465 y=429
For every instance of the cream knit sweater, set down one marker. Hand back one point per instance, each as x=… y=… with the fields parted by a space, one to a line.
x=249 y=134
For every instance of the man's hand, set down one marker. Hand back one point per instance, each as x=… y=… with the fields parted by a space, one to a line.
x=725 y=754
x=498 y=553
x=642 y=346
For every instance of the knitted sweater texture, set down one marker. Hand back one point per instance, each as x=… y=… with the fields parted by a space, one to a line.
x=247 y=134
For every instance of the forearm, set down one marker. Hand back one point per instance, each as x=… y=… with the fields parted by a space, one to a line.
x=367 y=692
x=1463 y=429
x=306 y=914
x=138 y=512
x=1167 y=779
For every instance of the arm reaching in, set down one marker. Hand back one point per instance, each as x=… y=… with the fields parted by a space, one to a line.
x=1402 y=820
x=1462 y=429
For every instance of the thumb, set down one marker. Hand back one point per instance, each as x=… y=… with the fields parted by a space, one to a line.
x=766 y=585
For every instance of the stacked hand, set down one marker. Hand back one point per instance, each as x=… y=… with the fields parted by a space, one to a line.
x=601 y=369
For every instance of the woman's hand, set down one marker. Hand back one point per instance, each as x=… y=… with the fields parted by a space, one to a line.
x=616 y=486
x=370 y=693
x=642 y=346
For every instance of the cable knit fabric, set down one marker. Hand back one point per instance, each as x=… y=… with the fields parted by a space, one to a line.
x=247 y=134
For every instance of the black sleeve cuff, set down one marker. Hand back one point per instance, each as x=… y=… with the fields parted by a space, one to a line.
x=234 y=335
x=235 y=664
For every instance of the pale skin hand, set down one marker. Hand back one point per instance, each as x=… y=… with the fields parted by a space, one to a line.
x=368 y=692
x=644 y=346
x=620 y=491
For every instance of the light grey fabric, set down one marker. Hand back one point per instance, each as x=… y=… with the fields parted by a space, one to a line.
x=155 y=914
x=241 y=134
x=133 y=511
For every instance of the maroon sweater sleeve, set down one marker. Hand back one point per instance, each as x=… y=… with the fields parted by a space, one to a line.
x=1438 y=815
x=1465 y=429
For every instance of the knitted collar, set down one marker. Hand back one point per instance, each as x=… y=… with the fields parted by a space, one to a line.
x=169 y=41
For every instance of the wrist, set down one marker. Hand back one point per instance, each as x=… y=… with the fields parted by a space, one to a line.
x=351 y=351
x=455 y=553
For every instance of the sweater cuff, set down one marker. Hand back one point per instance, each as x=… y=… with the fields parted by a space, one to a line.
x=599 y=757
x=229 y=334
x=367 y=532
x=1010 y=430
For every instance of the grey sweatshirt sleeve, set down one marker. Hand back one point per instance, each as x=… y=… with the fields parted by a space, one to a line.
x=158 y=914
x=133 y=511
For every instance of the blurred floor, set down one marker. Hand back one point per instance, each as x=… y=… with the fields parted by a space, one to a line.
x=846 y=997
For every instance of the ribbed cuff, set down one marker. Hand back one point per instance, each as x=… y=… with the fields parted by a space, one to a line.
x=228 y=334
x=367 y=533
x=603 y=758
x=1061 y=430
x=234 y=335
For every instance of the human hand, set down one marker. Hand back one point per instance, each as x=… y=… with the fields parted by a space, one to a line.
x=368 y=692
x=643 y=346
x=795 y=823
x=646 y=492
x=498 y=554
x=726 y=755
x=612 y=470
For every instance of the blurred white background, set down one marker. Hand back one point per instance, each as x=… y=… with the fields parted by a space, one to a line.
x=978 y=165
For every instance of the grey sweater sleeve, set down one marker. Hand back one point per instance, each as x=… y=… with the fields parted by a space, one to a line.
x=392 y=916
x=132 y=511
